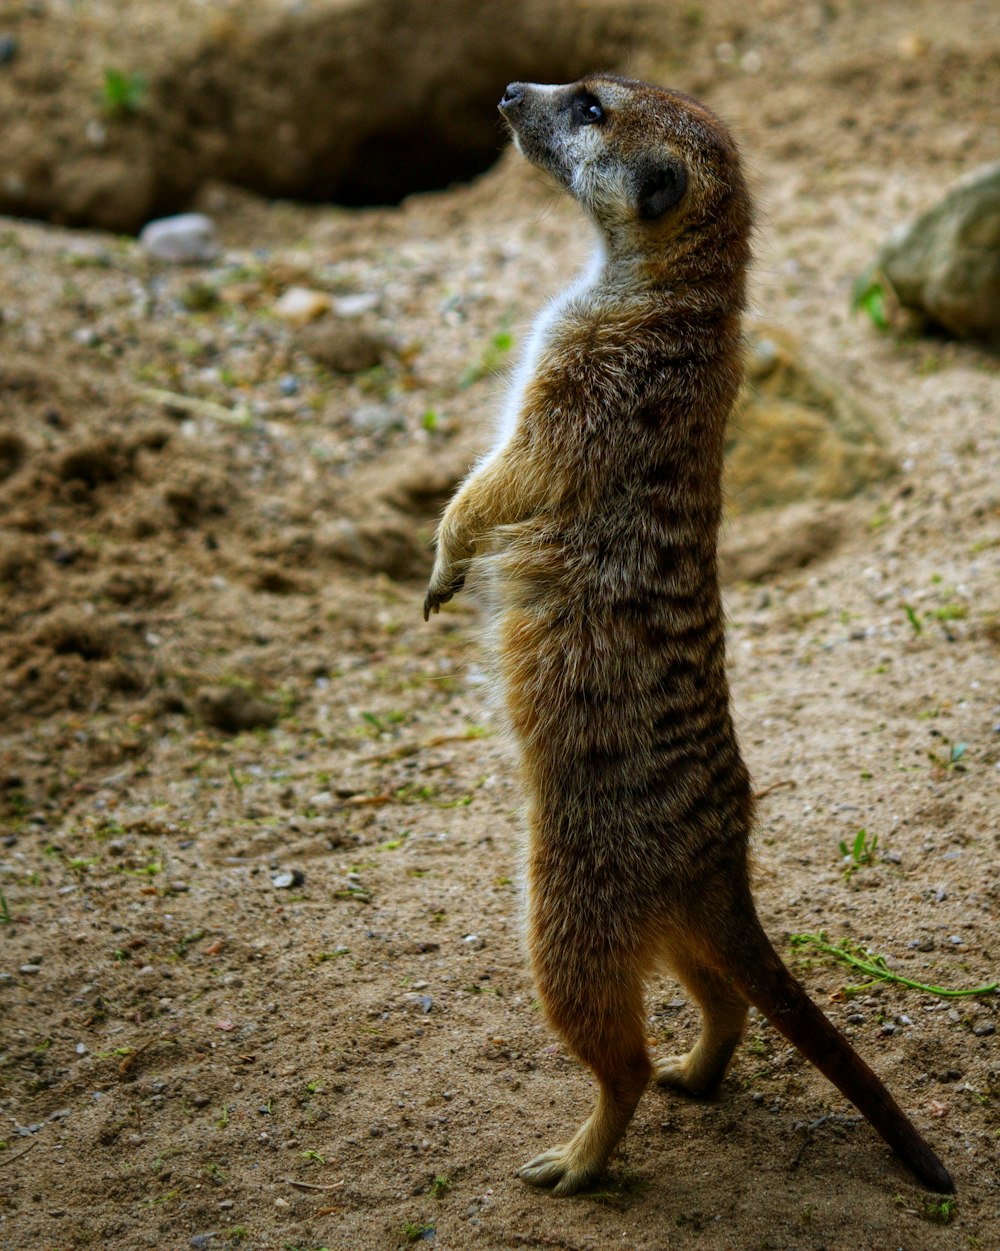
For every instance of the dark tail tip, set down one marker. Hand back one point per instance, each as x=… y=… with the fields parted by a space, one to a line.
x=930 y=1171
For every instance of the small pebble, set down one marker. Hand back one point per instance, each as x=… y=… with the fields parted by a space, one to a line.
x=96 y=132
x=8 y=48
x=355 y=305
x=28 y=969
x=376 y=419
x=299 y=305
x=984 y=1030
x=202 y=1241
x=282 y=881
x=185 y=239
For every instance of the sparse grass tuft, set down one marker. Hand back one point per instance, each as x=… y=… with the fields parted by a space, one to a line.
x=875 y=966
x=868 y=296
x=860 y=854
x=413 y=1231
x=440 y=1185
x=122 y=94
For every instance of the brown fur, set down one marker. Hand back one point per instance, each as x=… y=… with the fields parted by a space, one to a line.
x=596 y=516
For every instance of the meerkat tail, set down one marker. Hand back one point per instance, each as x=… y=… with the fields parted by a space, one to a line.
x=771 y=988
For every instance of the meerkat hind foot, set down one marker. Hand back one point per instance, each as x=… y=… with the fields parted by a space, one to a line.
x=684 y=1074
x=560 y=1169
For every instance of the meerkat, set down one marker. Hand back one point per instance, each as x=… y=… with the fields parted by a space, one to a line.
x=595 y=518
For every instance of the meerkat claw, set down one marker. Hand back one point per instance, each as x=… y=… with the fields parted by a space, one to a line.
x=436 y=596
x=554 y=1170
x=674 y=1071
x=433 y=601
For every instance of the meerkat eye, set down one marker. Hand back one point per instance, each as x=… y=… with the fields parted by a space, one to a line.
x=587 y=109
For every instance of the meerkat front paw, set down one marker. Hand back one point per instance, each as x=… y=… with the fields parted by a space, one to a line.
x=560 y=1169
x=439 y=591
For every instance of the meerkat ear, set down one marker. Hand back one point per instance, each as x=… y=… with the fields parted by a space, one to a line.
x=660 y=187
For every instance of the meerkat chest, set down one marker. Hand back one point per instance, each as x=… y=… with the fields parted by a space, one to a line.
x=544 y=332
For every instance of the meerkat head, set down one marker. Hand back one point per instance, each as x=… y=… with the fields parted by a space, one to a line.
x=634 y=156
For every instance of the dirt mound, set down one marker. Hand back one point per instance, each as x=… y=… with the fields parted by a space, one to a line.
x=351 y=103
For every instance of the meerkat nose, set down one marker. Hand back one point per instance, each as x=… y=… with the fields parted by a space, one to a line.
x=512 y=96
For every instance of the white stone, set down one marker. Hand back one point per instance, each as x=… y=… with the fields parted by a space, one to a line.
x=188 y=238
x=355 y=305
x=300 y=305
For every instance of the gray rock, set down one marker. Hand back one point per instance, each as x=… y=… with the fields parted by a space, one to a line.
x=186 y=239
x=946 y=263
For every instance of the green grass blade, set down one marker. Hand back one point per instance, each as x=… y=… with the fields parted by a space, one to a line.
x=876 y=968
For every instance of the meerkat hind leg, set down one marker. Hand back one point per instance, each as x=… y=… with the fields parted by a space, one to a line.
x=604 y=1028
x=724 y=1013
x=573 y=1165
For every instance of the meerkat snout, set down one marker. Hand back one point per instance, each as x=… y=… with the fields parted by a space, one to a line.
x=512 y=96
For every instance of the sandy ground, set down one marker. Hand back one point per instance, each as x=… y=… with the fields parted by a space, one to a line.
x=260 y=970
